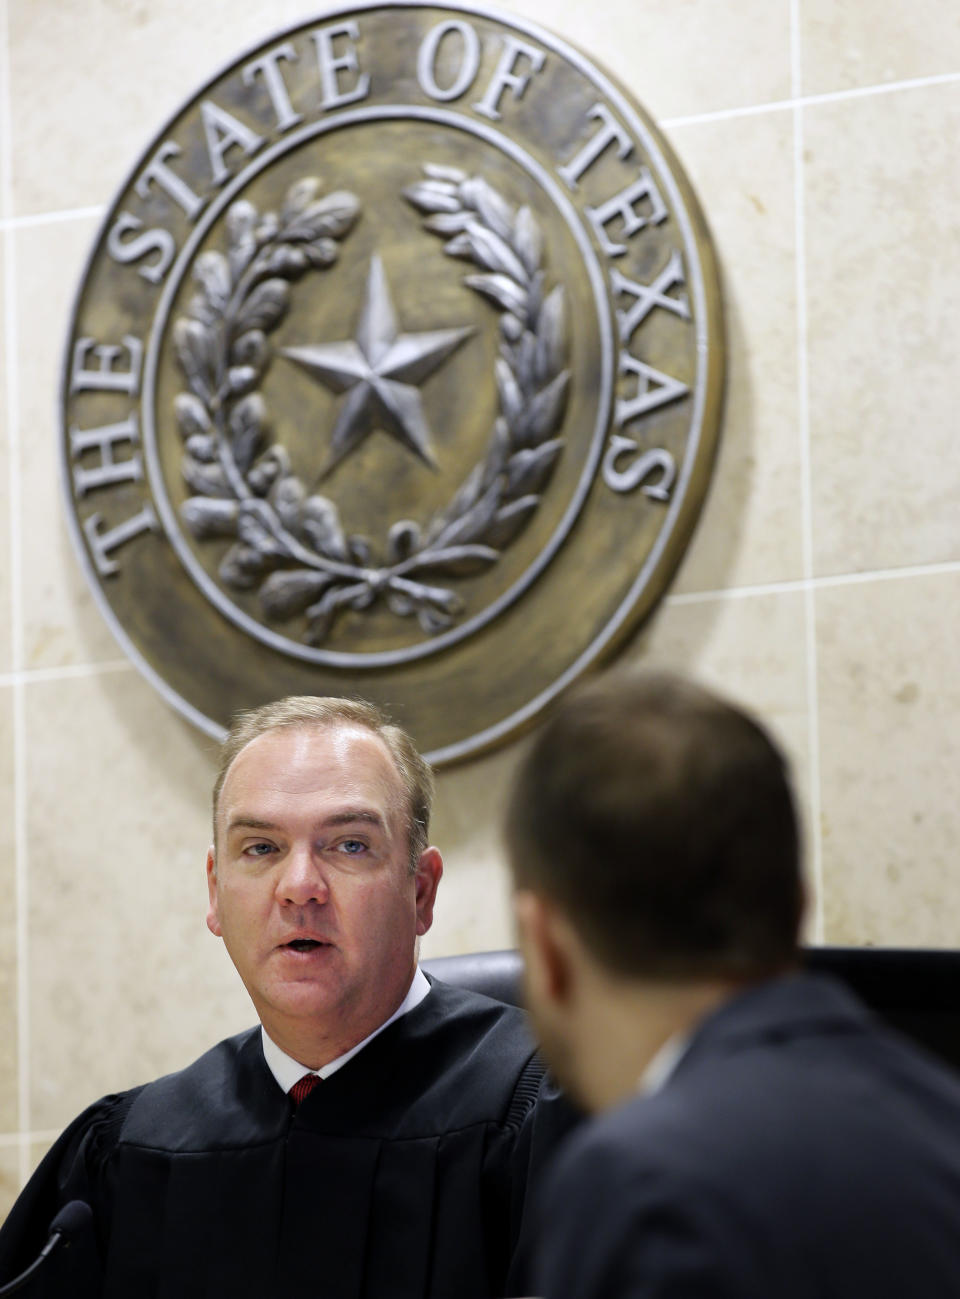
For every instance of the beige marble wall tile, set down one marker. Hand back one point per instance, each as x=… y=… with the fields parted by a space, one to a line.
x=9 y=1102
x=890 y=755
x=125 y=981
x=473 y=906
x=751 y=649
x=99 y=79
x=6 y=647
x=847 y=45
x=883 y=274
x=61 y=622
x=9 y=1178
x=6 y=156
x=750 y=531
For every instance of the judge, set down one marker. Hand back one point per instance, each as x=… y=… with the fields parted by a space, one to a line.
x=758 y=1133
x=377 y=1133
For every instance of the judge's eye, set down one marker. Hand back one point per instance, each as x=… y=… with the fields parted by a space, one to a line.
x=353 y=847
x=258 y=849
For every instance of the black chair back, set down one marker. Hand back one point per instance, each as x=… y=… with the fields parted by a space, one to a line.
x=914 y=989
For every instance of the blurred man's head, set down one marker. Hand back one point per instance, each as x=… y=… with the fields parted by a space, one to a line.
x=651 y=825
x=320 y=879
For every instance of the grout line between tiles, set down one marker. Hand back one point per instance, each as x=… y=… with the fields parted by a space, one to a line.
x=880 y=88
x=889 y=574
x=815 y=583
x=806 y=477
x=51 y=218
x=16 y=604
x=736 y=592
x=69 y=671
x=798 y=101
x=10 y=1139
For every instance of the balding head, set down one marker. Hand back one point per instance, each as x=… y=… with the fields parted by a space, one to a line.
x=329 y=711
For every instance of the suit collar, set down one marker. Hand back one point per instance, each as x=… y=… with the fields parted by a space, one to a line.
x=790 y=1006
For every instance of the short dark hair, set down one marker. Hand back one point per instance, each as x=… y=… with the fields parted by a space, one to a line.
x=305 y=711
x=660 y=819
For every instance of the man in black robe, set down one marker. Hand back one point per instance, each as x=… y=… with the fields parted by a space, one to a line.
x=376 y=1136
x=758 y=1135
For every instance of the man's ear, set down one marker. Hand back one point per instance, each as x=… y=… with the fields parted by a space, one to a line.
x=429 y=871
x=543 y=937
x=213 y=909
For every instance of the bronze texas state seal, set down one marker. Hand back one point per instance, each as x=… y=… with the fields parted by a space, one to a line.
x=396 y=370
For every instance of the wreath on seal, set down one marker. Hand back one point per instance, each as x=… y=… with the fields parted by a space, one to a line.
x=292 y=546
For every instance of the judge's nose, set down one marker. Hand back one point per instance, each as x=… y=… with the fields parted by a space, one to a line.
x=302 y=878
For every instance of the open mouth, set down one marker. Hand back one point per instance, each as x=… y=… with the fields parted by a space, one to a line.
x=305 y=944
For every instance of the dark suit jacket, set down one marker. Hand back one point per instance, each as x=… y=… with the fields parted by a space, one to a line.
x=799 y=1151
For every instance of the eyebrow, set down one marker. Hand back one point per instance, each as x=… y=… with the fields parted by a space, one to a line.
x=349 y=816
x=352 y=816
x=249 y=823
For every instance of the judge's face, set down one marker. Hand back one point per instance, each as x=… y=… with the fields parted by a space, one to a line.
x=311 y=888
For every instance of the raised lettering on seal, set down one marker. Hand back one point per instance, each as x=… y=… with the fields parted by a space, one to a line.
x=268 y=66
x=469 y=59
x=622 y=205
x=156 y=240
x=332 y=64
x=102 y=544
x=505 y=75
x=223 y=131
x=110 y=470
x=654 y=389
x=156 y=172
x=105 y=378
x=649 y=296
x=630 y=478
x=610 y=132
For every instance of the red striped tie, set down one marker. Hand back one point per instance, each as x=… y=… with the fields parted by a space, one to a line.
x=302 y=1089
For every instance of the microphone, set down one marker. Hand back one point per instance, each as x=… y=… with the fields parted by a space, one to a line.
x=73 y=1219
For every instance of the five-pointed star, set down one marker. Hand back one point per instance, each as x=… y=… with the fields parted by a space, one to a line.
x=378 y=370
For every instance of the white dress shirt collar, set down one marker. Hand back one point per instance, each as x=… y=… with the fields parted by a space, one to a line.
x=288 y=1071
x=661 y=1068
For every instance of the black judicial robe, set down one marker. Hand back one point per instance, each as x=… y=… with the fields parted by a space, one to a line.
x=404 y=1174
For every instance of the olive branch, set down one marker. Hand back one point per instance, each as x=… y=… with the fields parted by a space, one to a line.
x=243 y=484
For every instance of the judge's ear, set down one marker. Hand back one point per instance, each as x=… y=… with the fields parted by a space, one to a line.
x=427 y=877
x=544 y=938
x=213 y=909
